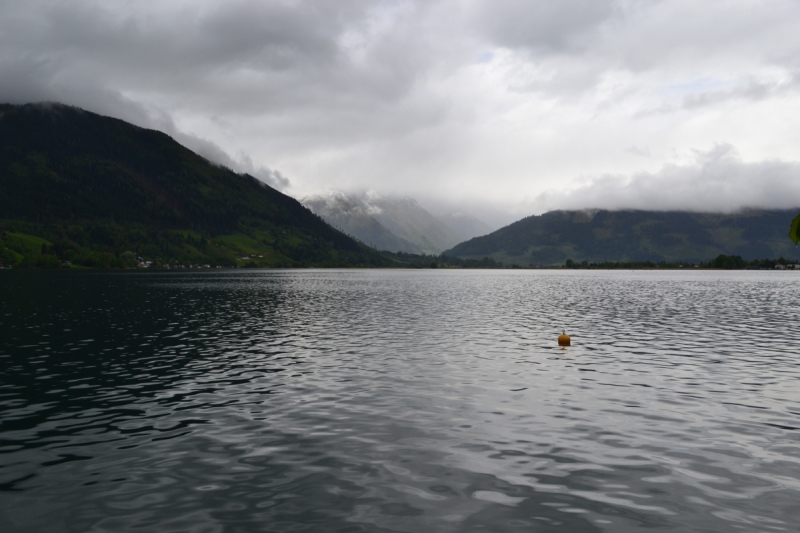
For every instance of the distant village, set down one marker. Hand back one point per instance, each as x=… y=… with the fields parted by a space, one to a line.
x=143 y=263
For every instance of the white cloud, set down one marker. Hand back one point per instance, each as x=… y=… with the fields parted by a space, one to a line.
x=718 y=180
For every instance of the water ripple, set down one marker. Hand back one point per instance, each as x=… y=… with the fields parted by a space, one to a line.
x=399 y=401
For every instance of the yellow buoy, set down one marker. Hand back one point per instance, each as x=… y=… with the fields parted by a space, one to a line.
x=563 y=339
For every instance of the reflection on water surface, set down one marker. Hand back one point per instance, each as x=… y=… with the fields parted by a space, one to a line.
x=399 y=401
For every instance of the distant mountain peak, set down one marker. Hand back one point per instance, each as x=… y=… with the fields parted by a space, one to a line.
x=408 y=226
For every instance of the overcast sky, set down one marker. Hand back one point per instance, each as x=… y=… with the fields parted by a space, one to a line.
x=504 y=107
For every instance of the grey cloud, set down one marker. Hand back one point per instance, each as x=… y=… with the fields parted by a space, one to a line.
x=752 y=90
x=353 y=65
x=244 y=57
x=74 y=55
x=21 y=87
x=215 y=154
x=718 y=181
x=562 y=26
x=376 y=93
x=636 y=150
x=38 y=81
x=573 y=46
x=238 y=58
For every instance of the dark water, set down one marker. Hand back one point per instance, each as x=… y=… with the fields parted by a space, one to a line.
x=399 y=401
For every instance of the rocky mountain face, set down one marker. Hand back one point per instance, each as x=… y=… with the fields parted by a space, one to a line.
x=397 y=224
x=599 y=235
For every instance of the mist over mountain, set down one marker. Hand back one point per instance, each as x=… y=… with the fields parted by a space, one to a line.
x=353 y=218
x=404 y=217
x=88 y=188
x=464 y=226
x=397 y=224
x=600 y=235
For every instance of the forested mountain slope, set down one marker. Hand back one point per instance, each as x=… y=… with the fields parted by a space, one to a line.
x=599 y=235
x=94 y=186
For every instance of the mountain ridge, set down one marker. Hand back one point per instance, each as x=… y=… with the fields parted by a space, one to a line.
x=598 y=235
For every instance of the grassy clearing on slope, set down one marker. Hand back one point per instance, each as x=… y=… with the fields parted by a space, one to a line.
x=24 y=244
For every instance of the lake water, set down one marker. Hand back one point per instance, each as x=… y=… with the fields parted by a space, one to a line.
x=409 y=400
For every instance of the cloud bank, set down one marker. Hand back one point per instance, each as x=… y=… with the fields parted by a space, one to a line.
x=503 y=104
x=718 y=181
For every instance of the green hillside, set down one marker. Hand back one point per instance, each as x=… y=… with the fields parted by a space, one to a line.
x=598 y=236
x=91 y=188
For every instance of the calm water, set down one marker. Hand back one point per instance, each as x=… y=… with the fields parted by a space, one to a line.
x=418 y=401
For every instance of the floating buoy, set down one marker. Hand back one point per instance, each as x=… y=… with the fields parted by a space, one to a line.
x=563 y=339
